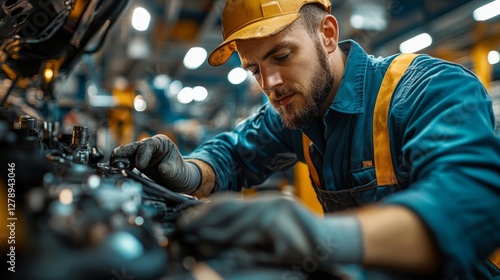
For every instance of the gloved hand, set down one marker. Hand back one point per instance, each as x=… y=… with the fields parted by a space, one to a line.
x=271 y=229
x=161 y=161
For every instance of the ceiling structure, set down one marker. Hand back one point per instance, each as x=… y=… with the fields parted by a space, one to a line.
x=178 y=25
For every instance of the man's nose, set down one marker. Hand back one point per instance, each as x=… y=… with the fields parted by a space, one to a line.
x=270 y=78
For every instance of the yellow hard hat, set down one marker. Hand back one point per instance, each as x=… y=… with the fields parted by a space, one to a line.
x=252 y=19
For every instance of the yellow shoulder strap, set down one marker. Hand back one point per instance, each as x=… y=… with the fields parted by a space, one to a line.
x=306 y=142
x=384 y=169
x=382 y=152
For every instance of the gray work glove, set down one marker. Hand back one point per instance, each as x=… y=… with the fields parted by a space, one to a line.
x=271 y=229
x=159 y=158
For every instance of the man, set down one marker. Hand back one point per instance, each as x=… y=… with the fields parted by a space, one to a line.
x=436 y=215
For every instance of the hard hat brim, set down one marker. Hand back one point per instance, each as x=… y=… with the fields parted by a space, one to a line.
x=256 y=30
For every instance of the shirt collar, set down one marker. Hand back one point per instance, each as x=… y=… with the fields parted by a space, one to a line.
x=350 y=95
x=349 y=98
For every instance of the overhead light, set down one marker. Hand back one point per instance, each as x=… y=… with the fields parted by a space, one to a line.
x=369 y=16
x=186 y=95
x=161 y=81
x=194 y=58
x=175 y=87
x=487 y=11
x=200 y=93
x=237 y=76
x=140 y=104
x=92 y=90
x=493 y=57
x=141 y=19
x=357 y=21
x=138 y=48
x=416 y=43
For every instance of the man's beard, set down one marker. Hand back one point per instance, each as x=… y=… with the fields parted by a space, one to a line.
x=320 y=87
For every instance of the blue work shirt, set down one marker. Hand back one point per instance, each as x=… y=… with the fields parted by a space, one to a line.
x=444 y=152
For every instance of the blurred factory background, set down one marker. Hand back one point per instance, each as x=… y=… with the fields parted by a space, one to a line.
x=80 y=77
x=150 y=74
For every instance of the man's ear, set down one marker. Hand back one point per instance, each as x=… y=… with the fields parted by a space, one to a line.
x=329 y=33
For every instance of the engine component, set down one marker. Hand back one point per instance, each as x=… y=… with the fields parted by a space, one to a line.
x=42 y=39
x=90 y=220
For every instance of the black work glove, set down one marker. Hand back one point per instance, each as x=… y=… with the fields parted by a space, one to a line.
x=271 y=229
x=159 y=158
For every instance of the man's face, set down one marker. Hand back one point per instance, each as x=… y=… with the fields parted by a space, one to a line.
x=292 y=70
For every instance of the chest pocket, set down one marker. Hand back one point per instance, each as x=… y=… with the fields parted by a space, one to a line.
x=365 y=188
x=369 y=184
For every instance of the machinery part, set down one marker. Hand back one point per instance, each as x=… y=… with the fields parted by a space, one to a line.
x=80 y=137
x=40 y=40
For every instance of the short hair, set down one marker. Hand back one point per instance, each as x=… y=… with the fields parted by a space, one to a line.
x=312 y=14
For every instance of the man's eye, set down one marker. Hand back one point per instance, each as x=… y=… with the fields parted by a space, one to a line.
x=255 y=71
x=282 y=57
